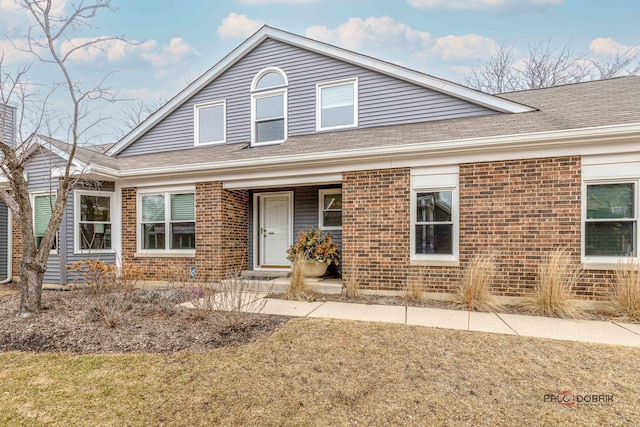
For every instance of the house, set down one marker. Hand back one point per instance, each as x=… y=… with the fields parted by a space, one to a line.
x=412 y=174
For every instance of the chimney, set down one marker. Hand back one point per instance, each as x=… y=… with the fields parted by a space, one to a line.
x=7 y=124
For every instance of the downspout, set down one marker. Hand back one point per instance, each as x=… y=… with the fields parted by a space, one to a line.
x=9 y=249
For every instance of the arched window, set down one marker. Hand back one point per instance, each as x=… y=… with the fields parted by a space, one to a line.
x=269 y=107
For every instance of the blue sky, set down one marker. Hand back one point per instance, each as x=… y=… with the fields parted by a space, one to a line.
x=178 y=40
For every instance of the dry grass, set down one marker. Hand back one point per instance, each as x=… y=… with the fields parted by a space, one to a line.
x=625 y=298
x=351 y=283
x=474 y=289
x=321 y=372
x=414 y=293
x=297 y=289
x=557 y=274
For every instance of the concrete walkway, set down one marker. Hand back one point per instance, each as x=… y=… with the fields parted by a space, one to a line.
x=600 y=332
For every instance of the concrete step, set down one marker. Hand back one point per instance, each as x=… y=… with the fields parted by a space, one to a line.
x=263 y=275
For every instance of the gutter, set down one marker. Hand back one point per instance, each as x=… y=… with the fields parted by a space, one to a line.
x=9 y=249
x=515 y=141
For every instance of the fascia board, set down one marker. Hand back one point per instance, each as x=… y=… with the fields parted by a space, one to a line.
x=517 y=141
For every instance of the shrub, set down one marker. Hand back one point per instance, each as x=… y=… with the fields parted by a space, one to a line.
x=414 y=291
x=625 y=298
x=314 y=246
x=351 y=283
x=108 y=290
x=556 y=275
x=474 y=288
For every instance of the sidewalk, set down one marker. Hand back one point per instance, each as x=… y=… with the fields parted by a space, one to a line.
x=600 y=332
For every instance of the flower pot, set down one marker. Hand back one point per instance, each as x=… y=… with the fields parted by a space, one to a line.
x=314 y=269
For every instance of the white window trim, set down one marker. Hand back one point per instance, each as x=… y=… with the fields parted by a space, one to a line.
x=436 y=259
x=607 y=262
x=320 y=86
x=196 y=122
x=265 y=93
x=32 y=197
x=321 y=194
x=76 y=220
x=165 y=191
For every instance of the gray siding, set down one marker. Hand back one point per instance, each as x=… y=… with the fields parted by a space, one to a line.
x=4 y=241
x=38 y=169
x=383 y=100
x=305 y=213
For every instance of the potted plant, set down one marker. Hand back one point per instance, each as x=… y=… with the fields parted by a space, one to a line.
x=316 y=249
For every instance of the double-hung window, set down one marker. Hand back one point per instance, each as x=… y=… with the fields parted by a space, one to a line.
x=210 y=123
x=337 y=104
x=42 y=211
x=330 y=209
x=269 y=107
x=610 y=214
x=167 y=221
x=93 y=221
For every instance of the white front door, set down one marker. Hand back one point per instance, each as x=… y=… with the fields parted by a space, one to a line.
x=275 y=229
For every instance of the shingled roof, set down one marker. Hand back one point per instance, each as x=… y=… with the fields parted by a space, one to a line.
x=582 y=105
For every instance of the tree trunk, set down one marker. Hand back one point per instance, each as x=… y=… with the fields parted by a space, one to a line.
x=31 y=278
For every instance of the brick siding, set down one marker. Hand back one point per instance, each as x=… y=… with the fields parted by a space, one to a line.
x=522 y=209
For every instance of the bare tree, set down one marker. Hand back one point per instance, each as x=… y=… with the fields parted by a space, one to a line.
x=136 y=112
x=45 y=39
x=547 y=64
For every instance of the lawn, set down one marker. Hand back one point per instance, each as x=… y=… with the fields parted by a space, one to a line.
x=321 y=372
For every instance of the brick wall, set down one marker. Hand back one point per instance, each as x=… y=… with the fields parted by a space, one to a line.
x=16 y=246
x=221 y=235
x=521 y=209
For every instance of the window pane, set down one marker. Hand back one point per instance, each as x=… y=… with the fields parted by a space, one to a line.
x=269 y=107
x=332 y=219
x=211 y=124
x=95 y=236
x=42 y=211
x=273 y=130
x=153 y=236
x=338 y=116
x=183 y=235
x=610 y=238
x=434 y=206
x=337 y=103
x=152 y=208
x=333 y=201
x=610 y=201
x=95 y=208
x=183 y=207
x=434 y=239
x=271 y=79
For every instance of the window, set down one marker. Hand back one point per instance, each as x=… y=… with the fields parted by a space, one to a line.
x=611 y=220
x=434 y=226
x=42 y=210
x=167 y=221
x=93 y=221
x=337 y=104
x=210 y=123
x=330 y=209
x=269 y=107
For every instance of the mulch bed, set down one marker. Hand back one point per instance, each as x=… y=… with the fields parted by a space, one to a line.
x=66 y=325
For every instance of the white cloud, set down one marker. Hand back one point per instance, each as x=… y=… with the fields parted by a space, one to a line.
x=608 y=46
x=468 y=46
x=112 y=50
x=236 y=26
x=478 y=4
x=268 y=2
x=174 y=52
x=358 y=33
x=12 y=55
